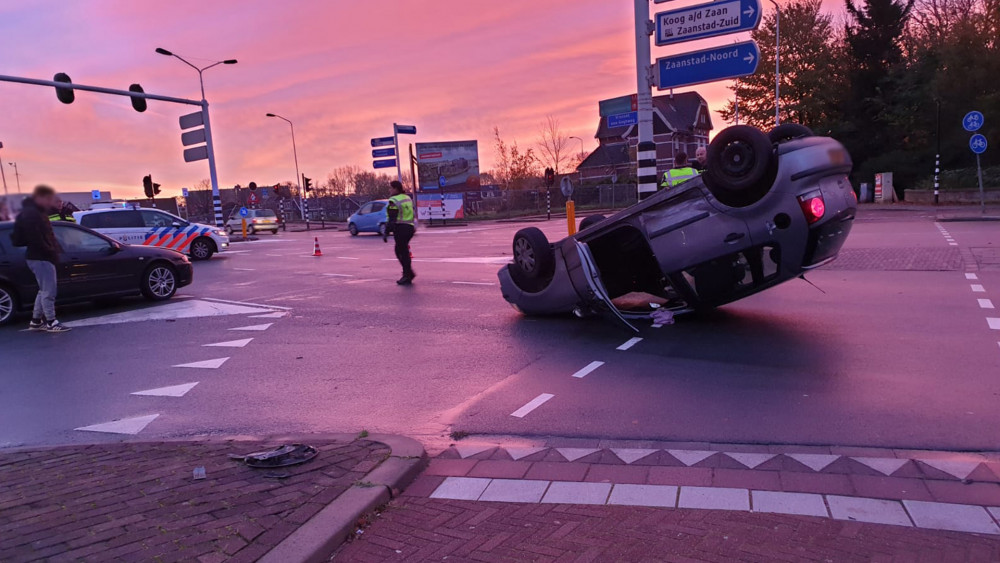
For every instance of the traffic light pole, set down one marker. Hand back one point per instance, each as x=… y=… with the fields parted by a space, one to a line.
x=210 y=147
x=646 y=149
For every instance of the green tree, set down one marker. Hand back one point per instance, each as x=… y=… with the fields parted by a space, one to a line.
x=812 y=75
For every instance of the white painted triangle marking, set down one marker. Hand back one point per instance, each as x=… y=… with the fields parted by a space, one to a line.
x=193 y=308
x=466 y=450
x=522 y=452
x=884 y=465
x=205 y=364
x=750 y=460
x=955 y=467
x=231 y=343
x=255 y=328
x=573 y=454
x=630 y=455
x=123 y=426
x=690 y=457
x=971 y=276
x=816 y=462
x=276 y=315
x=172 y=391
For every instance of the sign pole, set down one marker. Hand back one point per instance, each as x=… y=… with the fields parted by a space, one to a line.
x=646 y=149
x=982 y=195
x=395 y=143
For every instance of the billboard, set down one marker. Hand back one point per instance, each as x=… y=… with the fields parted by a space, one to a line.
x=433 y=206
x=448 y=164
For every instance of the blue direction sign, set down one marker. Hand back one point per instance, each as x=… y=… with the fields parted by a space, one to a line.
x=972 y=121
x=244 y=212
x=707 y=20
x=405 y=129
x=707 y=65
x=382 y=153
x=442 y=181
x=623 y=119
x=388 y=163
x=383 y=142
x=95 y=194
x=978 y=143
x=184 y=192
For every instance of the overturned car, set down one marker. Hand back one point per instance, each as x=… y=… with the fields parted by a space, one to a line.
x=768 y=208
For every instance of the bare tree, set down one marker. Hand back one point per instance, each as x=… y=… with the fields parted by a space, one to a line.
x=552 y=143
x=513 y=167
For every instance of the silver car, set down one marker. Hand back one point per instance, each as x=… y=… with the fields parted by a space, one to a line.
x=768 y=208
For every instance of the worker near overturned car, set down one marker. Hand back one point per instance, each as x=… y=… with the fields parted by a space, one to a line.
x=401 y=224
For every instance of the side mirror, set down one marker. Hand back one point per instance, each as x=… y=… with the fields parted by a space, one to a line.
x=175 y=225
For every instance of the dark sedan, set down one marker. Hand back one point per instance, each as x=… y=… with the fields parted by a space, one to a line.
x=92 y=266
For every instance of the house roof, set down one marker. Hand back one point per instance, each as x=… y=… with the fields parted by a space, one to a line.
x=607 y=155
x=679 y=112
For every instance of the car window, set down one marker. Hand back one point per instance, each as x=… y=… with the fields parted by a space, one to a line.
x=112 y=220
x=264 y=213
x=155 y=219
x=365 y=209
x=5 y=241
x=378 y=206
x=78 y=240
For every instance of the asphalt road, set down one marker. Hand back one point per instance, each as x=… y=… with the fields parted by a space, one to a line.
x=894 y=349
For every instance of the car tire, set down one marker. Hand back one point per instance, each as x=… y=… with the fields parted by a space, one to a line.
x=250 y=231
x=159 y=282
x=202 y=248
x=382 y=229
x=8 y=305
x=229 y=230
x=353 y=229
x=788 y=132
x=740 y=166
x=590 y=221
x=534 y=260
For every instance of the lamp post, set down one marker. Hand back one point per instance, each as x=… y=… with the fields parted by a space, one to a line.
x=209 y=146
x=295 y=154
x=777 y=62
x=17 y=175
x=6 y=195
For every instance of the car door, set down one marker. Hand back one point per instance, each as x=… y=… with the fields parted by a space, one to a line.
x=600 y=300
x=365 y=221
x=87 y=265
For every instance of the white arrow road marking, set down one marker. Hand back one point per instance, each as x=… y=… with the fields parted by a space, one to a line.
x=586 y=371
x=206 y=364
x=172 y=391
x=255 y=328
x=122 y=426
x=194 y=308
x=231 y=343
x=532 y=405
x=276 y=315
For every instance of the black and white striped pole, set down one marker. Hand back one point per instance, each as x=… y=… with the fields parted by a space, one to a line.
x=937 y=156
x=646 y=150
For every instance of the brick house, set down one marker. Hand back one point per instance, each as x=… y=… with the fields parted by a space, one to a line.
x=681 y=122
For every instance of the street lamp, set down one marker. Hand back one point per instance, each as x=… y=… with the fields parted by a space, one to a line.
x=6 y=195
x=295 y=154
x=581 y=146
x=777 y=62
x=17 y=175
x=209 y=146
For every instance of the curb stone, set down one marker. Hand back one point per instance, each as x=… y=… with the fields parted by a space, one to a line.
x=316 y=540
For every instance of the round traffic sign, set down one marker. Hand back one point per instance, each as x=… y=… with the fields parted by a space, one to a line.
x=442 y=181
x=566 y=186
x=244 y=212
x=978 y=143
x=973 y=121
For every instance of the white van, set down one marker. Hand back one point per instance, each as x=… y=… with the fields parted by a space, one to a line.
x=152 y=227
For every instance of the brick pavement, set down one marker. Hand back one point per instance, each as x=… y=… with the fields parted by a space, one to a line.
x=423 y=529
x=140 y=502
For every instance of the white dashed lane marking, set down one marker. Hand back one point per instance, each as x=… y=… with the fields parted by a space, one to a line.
x=231 y=343
x=993 y=322
x=172 y=391
x=256 y=328
x=985 y=304
x=532 y=405
x=629 y=343
x=472 y=283
x=977 y=288
x=205 y=364
x=971 y=277
x=122 y=426
x=587 y=370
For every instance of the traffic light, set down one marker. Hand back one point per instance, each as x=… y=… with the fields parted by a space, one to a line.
x=138 y=104
x=306 y=184
x=277 y=191
x=550 y=177
x=64 y=94
x=147 y=185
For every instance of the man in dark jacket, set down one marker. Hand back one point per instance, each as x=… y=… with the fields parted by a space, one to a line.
x=33 y=230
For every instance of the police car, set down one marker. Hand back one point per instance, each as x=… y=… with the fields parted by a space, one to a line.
x=153 y=227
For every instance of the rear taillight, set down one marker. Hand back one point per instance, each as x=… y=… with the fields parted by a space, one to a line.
x=812 y=206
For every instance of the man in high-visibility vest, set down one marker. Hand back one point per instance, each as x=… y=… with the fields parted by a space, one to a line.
x=681 y=172
x=401 y=224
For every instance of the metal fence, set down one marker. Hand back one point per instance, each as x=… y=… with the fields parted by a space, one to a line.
x=501 y=204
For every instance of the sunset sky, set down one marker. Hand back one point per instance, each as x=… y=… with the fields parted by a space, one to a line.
x=342 y=70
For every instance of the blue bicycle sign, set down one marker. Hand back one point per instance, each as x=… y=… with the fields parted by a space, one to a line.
x=978 y=144
x=973 y=121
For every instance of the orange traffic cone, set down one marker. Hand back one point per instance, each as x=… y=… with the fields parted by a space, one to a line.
x=316 y=250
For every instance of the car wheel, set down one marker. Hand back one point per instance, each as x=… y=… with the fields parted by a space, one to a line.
x=159 y=282
x=740 y=166
x=787 y=132
x=229 y=230
x=590 y=221
x=534 y=260
x=202 y=248
x=8 y=305
x=353 y=229
x=381 y=229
